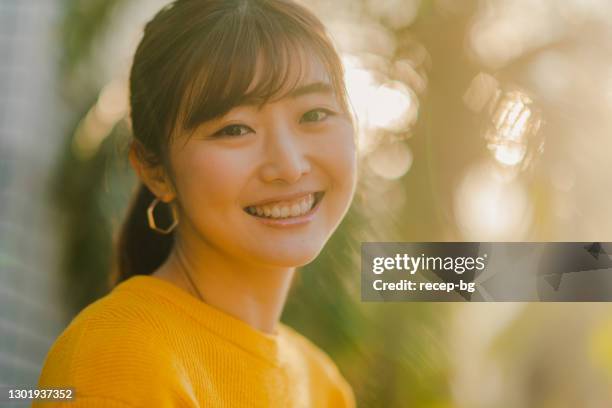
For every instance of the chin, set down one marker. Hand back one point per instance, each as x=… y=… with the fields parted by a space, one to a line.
x=290 y=258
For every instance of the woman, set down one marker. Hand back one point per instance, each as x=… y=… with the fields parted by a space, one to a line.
x=242 y=133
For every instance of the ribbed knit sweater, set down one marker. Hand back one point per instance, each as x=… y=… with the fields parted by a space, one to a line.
x=149 y=343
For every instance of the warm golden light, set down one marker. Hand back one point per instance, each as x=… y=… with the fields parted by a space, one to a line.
x=112 y=105
x=489 y=207
x=392 y=107
x=391 y=160
x=513 y=129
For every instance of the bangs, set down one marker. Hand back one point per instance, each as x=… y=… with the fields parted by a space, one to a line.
x=256 y=48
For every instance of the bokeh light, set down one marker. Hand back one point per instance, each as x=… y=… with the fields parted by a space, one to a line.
x=488 y=207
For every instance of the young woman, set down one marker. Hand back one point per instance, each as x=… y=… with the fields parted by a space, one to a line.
x=244 y=140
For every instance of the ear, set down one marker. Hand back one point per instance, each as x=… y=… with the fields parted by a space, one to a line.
x=155 y=177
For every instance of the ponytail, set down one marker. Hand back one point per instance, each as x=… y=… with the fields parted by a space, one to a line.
x=141 y=250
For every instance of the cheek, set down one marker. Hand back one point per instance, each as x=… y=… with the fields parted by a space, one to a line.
x=339 y=160
x=208 y=180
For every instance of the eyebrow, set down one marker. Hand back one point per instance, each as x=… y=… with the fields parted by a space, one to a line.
x=315 y=87
x=312 y=88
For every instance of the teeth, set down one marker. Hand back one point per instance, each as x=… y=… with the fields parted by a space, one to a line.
x=304 y=206
x=295 y=210
x=284 y=209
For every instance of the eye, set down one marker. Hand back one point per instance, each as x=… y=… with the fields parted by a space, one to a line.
x=316 y=115
x=233 y=131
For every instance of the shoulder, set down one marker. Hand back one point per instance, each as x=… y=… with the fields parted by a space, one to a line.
x=118 y=322
x=110 y=351
x=323 y=368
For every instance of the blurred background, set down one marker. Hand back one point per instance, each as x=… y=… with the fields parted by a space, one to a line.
x=478 y=121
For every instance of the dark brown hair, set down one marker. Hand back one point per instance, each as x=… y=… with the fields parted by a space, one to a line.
x=195 y=62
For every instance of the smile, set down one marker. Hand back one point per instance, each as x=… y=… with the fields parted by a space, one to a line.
x=297 y=207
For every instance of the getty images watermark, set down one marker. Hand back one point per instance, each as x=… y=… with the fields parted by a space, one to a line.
x=486 y=271
x=413 y=264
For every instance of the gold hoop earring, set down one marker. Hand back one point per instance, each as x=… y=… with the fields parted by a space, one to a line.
x=151 y=218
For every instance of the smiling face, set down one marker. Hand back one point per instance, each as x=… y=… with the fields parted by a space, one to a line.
x=268 y=184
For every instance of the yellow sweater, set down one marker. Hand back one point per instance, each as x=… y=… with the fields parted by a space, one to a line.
x=150 y=344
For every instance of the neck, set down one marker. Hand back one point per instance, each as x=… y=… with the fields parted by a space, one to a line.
x=255 y=294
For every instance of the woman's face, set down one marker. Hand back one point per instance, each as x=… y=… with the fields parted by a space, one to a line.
x=269 y=184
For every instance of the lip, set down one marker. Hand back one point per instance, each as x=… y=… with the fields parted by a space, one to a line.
x=286 y=197
x=293 y=221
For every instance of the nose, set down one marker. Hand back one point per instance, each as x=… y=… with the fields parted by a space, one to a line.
x=285 y=157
